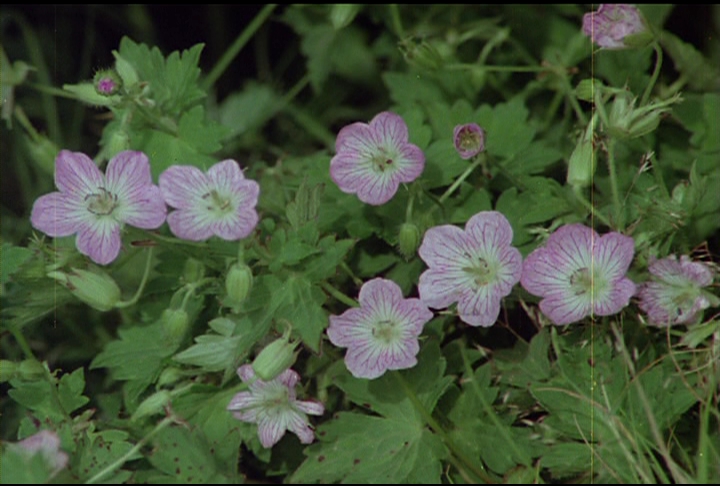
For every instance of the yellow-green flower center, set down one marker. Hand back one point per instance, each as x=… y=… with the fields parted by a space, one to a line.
x=218 y=204
x=481 y=272
x=101 y=203
x=386 y=331
x=469 y=140
x=582 y=281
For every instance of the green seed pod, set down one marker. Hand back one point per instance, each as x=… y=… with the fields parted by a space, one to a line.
x=152 y=405
x=175 y=323
x=408 y=240
x=582 y=164
x=194 y=270
x=238 y=283
x=96 y=288
x=277 y=356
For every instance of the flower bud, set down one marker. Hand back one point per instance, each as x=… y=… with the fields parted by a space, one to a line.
x=175 y=323
x=194 y=270
x=169 y=376
x=626 y=121
x=408 y=240
x=469 y=140
x=613 y=24
x=277 y=356
x=582 y=164
x=238 y=283
x=421 y=53
x=152 y=405
x=107 y=82
x=96 y=288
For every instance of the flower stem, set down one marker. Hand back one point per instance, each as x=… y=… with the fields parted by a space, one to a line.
x=655 y=74
x=479 y=159
x=502 y=69
x=593 y=211
x=339 y=295
x=22 y=342
x=237 y=46
x=617 y=207
x=436 y=428
x=122 y=459
x=138 y=293
x=396 y=22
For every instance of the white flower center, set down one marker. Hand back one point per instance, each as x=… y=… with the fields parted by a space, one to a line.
x=382 y=161
x=481 y=271
x=583 y=282
x=218 y=204
x=469 y=140
x=101 y=203
x=386 y=331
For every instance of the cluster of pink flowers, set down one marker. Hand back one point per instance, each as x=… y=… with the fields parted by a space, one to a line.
x=95 y=206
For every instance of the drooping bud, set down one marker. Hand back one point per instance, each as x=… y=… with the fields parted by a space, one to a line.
x=616 y=26
x=469 y=140
x=194 y=270
x=107 y=82
x=582 y=163
x=94 y=287
x=277 y=356
x=175 y=323
x=408 y=240
x=421 y=53
x=238 y=283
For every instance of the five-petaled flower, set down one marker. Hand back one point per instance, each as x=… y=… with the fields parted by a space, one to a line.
x=381 y=334
x=579 y=272
x=373 y=159
x=221 y=202
x=274 y=406
x=469 y=140
x=45 y=443
x=611 y=24
x=675 y=295
x=95 y=206
x=476 y=267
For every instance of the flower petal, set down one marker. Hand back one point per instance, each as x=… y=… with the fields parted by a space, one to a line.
x=565 y=308
x=479 y=308
x=100 y=240
x=389 y=129
x=270 y=431
x=77 y=174
x=182 y=186
x=613 y=254
x=310 y=407
x=191 y=224
x=57 y=214
x=143 y=209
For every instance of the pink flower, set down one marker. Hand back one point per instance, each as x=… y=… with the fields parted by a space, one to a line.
x=609 y=26
x=469 y=140
x=274 y=406
x=46 y=443
x=382 y=334
x=674 y=295
x=373 y=159
x=476 y=267
x=221 y=202
x=95 y=206
x=579 y=273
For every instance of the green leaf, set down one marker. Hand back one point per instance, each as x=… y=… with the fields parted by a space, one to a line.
x=70 y=390
x=407 y=89
x=222 y=351
x=302 y=306
x=96 y=451
x=12 y=257
x=507 y=132
x=248 y=110
x=442 y=163
x=184 y=456
x=701 y=74
x=332 y=255
x=361 y=449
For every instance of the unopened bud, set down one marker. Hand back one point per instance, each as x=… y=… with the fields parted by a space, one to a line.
x=175 y=323
x=627 y=121
x=194 y=270
x=582 y=164
x=169 y=376
x=408 y=240
x=96 y=288
x=421 y=53
x=469 y=140
x=277 y=356
x=107 y=82
x=152 y=405
x=238 y=283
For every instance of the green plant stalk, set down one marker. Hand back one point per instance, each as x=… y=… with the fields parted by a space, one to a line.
x=313 y=127
x=703 y=451
x=435 y=426
x=143 y=282
x=396 y=21
x=491 y=413
x=339 y=295
x=479 y=159
x=122 y=459
x=617 y=207
x=237 y=46
x=22 y=342
x=497 y=69
x=594 y=213
x=655 y=74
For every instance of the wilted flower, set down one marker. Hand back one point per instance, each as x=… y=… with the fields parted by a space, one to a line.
x=476 y=267
x=274 y=406
x=674 y=295
x=47 y=443
x=579 y=273
x=221 y=202
x=611 y=24
x=469 y=140
x=382 y=334
x=373 y=159
x=95 y=206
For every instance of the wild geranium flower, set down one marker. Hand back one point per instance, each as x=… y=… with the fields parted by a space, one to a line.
x=373 y=159
x=469 y=140
x=611 y=24
x=46 y=443
x=95 y=206
x=221 y=202
x=381 y=334
x=675 y=295
x=274 y=406
x=579 y=272
x=476 y=267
